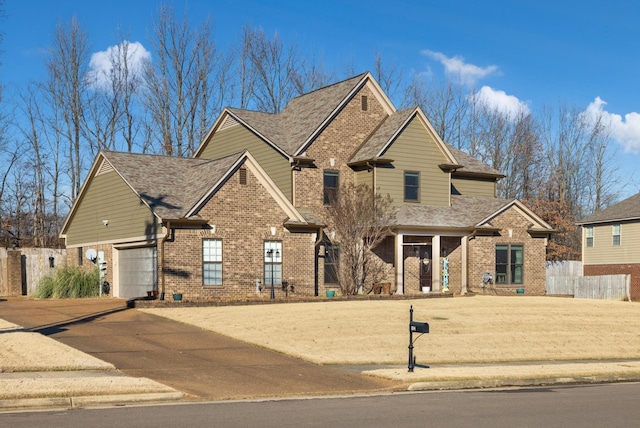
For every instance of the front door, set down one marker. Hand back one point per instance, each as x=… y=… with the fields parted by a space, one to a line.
x=425 y=266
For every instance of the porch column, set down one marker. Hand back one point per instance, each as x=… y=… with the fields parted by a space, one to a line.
x=436 y=269
x=465 y=267
x=399 y=253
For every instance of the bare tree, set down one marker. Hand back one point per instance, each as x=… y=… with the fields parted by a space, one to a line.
x=179 y=89
x=388 y=75
x=446 y=104
x=66 y=87
x=269 y=70
x=361 y=219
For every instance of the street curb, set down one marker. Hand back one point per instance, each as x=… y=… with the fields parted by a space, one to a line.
x=88 y=401
x=507 y=382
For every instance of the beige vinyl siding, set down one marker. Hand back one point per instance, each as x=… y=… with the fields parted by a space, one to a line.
x=364 y=177
x=415 y=150
x=469 y=186
x=108 y=197
x=237 y=138
x=603 y=250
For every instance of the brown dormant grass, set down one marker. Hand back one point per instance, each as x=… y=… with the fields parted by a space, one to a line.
x=479 y=329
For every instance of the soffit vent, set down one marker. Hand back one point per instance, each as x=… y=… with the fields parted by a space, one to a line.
x=228 y=123
x=105 y=167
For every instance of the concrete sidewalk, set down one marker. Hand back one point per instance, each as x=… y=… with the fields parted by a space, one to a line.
x=105 y=354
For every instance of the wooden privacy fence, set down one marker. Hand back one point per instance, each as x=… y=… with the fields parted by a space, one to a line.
x=22 y=269
x=604 y=287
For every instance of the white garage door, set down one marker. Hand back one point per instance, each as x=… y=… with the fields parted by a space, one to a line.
x=137 y=271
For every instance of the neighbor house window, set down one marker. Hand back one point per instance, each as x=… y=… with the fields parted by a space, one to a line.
x=331 y=182
x=589 y=235
x=272 y=263
x=331 y=261
x=509 y=264
x=212 y=261
x=616 y=234
x=411 y=186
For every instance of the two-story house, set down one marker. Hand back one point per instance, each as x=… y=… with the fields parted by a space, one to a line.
x=250 y=209
x=610 y=242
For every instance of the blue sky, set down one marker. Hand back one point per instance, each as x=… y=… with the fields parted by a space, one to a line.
x=532 y=53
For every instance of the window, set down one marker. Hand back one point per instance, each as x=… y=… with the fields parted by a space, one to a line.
x=411 y=186
x=212 y=261
x=616 y=235
x=331 y=262
x=509 y=264
x=589 y=235
x=272 y=263
x=80 y=256
x=331 y=182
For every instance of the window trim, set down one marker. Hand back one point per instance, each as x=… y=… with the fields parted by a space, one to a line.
x=206 y=263
x=616 y=242
x=329 y=192
x=269 y=261
x=588 y=234
x=510 y=266
x=416 y=187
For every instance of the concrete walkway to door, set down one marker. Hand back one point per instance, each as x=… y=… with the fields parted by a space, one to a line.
x=202 y=364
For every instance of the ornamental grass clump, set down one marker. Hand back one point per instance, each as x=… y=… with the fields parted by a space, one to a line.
x=69 y=283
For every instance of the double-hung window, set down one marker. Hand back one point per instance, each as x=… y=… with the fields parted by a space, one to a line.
x=509 y=264
x=212 y=261
x=616 y=235
x=272 y=263
x=589 y=236
x=331 y=183
x=331 y=263
x=411 y=186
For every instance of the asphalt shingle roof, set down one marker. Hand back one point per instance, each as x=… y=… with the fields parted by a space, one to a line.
x=628 y=209
x=302 y=116
x=376 y=143
x=464 y=212
x=171 y=186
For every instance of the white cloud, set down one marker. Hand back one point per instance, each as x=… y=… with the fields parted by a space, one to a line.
x=500 y=101
x=101 y=63
x=455 y=66
x=626 y=131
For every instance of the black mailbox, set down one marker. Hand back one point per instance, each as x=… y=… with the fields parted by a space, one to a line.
x=418 y=327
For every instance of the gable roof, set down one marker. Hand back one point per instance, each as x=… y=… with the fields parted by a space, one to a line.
x=175 y=188
x=628 y=209
x=291 y=130
x=378 y=143
x=466 y=212
x=471 y=165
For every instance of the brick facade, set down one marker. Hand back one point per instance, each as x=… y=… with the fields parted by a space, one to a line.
x=244 y=216
x=632 y=269
x=513 y=230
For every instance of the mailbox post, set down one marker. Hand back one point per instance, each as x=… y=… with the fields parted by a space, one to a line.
x=415 y=327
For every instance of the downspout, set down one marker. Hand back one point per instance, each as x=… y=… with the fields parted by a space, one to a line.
x=164 y=239
x=316 y=280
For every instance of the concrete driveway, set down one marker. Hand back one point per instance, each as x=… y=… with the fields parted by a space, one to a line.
x=202 y=364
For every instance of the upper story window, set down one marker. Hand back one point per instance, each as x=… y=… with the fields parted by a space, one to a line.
x=212 y=262
x=331 y=183
x=616 y=234
x=589 y=235
x=411 y=186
